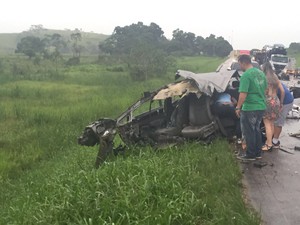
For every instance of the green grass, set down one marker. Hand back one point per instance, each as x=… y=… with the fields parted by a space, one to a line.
x=190 y=184
x=46 y=178
x=199 y=64
x=38 y=118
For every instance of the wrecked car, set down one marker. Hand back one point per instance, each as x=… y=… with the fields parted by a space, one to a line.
x=172 y=114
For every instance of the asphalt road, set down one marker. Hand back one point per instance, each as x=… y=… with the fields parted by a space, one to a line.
x=274 y=190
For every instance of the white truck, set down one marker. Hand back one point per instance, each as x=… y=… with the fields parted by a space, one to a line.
x=279 y=62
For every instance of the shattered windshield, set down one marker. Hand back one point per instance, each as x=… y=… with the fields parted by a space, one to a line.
x=280 y=59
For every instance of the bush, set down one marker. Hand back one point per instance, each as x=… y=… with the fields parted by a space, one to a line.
x=115 y=69
x=22 y=69
x=73 y=61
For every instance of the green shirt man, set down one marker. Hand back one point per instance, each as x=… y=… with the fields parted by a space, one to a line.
x=253 y=102
x=254 y=83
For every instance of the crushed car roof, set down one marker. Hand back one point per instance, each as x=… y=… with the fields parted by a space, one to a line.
x=177 y=89
x=208 y=82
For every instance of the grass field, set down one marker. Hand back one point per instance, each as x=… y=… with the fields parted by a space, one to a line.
x=46 y=178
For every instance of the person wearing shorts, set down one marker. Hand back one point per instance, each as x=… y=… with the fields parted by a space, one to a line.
x=279 y=122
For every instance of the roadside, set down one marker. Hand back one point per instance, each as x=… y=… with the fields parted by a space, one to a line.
x=274 y=190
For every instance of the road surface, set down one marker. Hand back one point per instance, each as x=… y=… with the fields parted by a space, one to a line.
x=274 y=190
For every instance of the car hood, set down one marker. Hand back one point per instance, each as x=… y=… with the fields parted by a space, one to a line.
x=209 y=82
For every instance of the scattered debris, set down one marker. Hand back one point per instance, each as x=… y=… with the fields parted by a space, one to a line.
x=286 y=150
x=297 y=135
x=260 y=164
x=297 y=148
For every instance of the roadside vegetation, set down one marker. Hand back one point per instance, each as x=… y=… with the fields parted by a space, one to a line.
x=52 y=88
x=294 y=51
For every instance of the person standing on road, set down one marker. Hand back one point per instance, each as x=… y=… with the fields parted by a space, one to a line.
x=251 y=107
x=274 y=105
x=288 y=103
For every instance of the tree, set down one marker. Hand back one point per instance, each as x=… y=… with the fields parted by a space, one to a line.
x=294 y=48
x=213 y=46
x=183 y=43
x=222 y=48
x=53 y=46
x=124 y=39
x=199 y=44
x=30 y=46
x=186 y=43
x=76 y=38
x=209 y=45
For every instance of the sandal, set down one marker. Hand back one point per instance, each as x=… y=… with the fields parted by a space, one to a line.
x=267 y=148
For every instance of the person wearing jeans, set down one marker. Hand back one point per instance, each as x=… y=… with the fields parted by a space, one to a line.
x=250 y=124
x=251 y=107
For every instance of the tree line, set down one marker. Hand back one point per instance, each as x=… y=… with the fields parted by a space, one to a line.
x=144 y=48
x=147 y=51
x=126 y=38
x=51 y=47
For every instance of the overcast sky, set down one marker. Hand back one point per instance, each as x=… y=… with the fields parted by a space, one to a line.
x=245 y=24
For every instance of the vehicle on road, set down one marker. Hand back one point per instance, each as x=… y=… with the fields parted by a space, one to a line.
x=278 y=49
x=279 y=62
x=276 y=55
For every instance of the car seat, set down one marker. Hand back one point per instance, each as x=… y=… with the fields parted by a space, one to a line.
x=201 y=121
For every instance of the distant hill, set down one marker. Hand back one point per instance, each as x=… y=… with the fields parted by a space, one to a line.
x=90 y=40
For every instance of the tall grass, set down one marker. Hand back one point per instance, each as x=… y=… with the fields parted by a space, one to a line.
x=40 y=114
x=190 y=184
